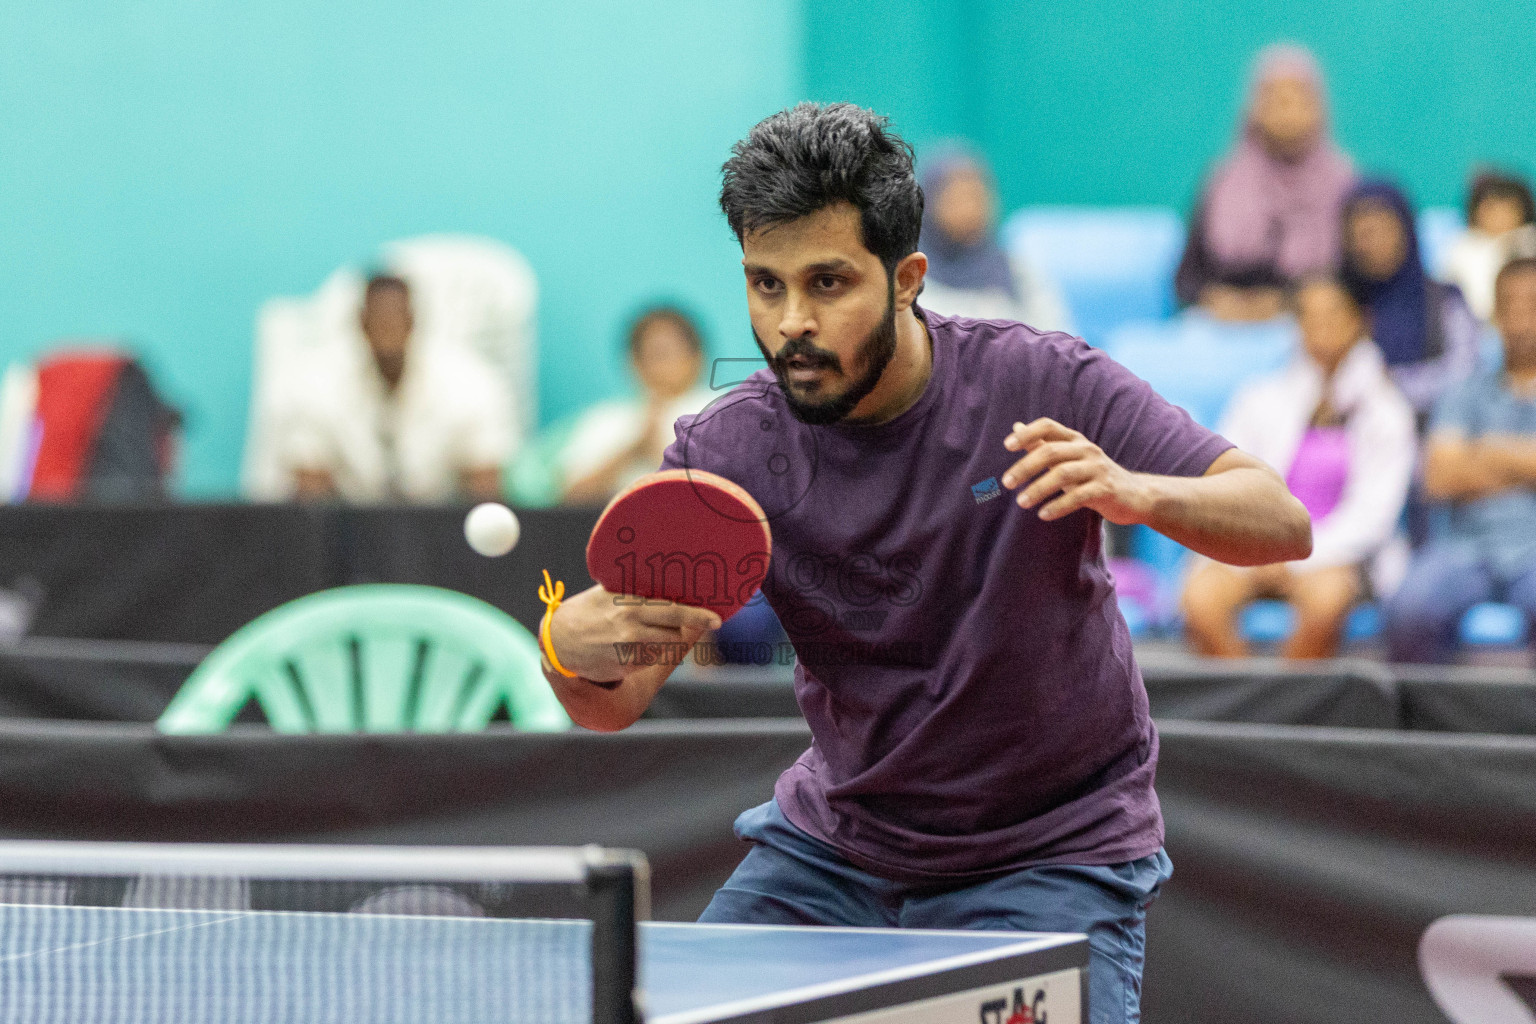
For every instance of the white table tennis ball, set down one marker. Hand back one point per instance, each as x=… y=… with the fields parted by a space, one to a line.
x=492 y=529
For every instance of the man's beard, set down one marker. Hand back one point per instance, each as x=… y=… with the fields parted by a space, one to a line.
x=875 y=353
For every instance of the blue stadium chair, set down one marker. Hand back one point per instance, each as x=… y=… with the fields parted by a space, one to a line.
x=1267 y=622
x=1364 y=623
x=1198 y=363
x=1138 y=620
x=1113 y=265
x=1274 y=621
x=1493 y=625
x=1164 y=557
x=1438 y=227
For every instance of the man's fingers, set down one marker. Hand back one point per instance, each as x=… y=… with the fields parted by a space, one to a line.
x=678 y=616
x=1043 y=458
x=1063 y=477
x=1072 y=500
x=655 y=635
x=1027 y=435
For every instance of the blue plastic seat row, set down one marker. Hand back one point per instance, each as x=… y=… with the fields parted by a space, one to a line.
x=1266 y=622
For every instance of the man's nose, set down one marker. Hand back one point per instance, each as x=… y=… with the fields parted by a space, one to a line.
x=797 y=319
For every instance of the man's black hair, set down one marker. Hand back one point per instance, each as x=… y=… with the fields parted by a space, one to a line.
x=665 y=314
x=813 y=155
x=1493 y=184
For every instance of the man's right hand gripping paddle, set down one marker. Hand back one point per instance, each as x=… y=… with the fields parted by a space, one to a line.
x=674 y=555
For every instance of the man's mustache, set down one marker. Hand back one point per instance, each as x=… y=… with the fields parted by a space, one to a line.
x=802 y=348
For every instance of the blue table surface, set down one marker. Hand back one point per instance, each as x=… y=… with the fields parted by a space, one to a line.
x=131 y=966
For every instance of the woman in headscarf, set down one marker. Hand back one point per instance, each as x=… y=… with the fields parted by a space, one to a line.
x=1425 y=330
x=1270 y=213
x=969 y=274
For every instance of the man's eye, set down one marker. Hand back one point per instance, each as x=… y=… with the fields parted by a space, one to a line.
x=826 y=281
x=766 y=284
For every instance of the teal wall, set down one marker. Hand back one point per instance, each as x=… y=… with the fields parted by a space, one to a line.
x=166 y=165
x=1113 y=102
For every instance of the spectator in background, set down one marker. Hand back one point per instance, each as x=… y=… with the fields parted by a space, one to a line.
x=969 y=273
x=1270 y=214
x=1424 y=329
x=1481 y=458
x=615 y=442
x=1343 y=435
x=1501 y=225
x=382 y=421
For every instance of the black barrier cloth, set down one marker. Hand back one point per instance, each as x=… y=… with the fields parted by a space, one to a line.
x=1347 y=693
x=1309 y=862
x=159 y=572
x=132 y=681
x=671 y=790
x=1468 y=699
x=93 y=680
x=196 y=573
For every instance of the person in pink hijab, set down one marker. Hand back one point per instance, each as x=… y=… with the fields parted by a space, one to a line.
x=1270 y=213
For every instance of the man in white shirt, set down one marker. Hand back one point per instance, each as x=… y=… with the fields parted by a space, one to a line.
x=385 y=421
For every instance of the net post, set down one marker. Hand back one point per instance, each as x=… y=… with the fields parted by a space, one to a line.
x=618 y=890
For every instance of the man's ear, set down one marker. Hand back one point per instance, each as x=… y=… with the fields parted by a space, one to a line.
x=909 y=279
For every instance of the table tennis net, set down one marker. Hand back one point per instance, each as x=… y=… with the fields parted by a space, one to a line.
x=121 y=933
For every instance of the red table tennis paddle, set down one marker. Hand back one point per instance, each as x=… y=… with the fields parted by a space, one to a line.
x=682 y=535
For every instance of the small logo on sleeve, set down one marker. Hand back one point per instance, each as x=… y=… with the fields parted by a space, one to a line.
x=986 y=490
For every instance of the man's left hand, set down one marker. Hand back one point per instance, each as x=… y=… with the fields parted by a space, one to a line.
x=1067 y=472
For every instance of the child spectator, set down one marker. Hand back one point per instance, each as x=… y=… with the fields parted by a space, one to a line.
x=1501 y=224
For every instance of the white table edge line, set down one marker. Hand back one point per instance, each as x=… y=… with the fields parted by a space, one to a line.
x=842 y=986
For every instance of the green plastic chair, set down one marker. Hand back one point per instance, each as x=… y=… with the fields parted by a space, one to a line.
x=373 y=658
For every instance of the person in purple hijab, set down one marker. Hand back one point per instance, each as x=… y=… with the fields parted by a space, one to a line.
x=1269 y=215
x=1425 y=330
x=969 y=272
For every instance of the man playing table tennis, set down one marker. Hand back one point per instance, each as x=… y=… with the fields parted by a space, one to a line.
x=983 y=755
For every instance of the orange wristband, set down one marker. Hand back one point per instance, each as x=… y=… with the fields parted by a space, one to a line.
x=551 y=593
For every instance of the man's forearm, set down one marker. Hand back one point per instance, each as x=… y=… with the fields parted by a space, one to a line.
x=607 y=707
x=637 y=645
x=1241 y=516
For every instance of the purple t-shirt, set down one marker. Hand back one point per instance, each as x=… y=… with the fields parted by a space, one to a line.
x=963 y=665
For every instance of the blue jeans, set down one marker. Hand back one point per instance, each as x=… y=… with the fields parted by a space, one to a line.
x=1445 y=580
x=789 y=877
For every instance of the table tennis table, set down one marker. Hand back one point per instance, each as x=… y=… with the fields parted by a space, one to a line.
x=115 y=965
